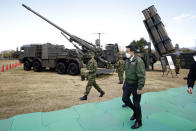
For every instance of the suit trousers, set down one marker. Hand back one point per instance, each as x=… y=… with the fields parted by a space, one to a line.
x=129 y=89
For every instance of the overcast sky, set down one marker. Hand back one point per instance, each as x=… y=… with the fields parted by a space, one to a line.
x=120 y=20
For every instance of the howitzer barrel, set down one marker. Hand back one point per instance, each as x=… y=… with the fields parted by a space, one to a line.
x=74 y=38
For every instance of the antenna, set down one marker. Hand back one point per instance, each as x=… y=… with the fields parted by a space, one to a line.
x=99 y=34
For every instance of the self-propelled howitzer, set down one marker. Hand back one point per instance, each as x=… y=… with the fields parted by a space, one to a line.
x=103 y=57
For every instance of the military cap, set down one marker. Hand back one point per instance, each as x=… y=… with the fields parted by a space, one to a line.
x=177 y=56
x=92 y=54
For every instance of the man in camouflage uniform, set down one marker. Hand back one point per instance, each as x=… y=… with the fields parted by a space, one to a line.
x=177 y=65
x=120 y=69
x=91 y=70
x=83 y=74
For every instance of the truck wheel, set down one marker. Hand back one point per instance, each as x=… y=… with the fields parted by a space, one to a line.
x=73 y=69
x=37 y=66
x=61 y=68
x=27 y=66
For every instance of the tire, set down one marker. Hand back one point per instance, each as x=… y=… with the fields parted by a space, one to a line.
x=73 y=69
x=27 y=66
x=37 y=66
x=61 y=68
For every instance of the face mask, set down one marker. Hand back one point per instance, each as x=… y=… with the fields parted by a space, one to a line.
x=128 y=55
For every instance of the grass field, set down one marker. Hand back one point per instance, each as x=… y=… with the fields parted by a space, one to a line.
x=27 y=91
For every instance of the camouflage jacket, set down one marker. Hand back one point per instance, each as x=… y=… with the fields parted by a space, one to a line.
x=177 y=62
x=92 y=67
x=121 y=65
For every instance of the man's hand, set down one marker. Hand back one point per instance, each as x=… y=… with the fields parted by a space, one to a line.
x=190 y=90
x=139 y=92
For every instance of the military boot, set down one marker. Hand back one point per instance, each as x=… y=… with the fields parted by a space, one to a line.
x=102 y=93
x=83 y=98
x=82 y=78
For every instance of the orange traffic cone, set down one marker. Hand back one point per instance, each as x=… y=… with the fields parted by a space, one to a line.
x=2 y=70
x=10 y=66
x=6 y=67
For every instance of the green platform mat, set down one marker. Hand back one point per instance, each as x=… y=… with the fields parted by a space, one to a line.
x=170 y=110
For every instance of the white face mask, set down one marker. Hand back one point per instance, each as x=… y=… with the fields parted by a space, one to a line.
x=128 y=55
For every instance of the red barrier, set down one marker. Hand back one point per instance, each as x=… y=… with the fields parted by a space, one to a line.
x=9 y=67
x=2 y=70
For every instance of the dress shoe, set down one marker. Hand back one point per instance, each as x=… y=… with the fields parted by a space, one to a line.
x=124 y=105
x=102 y=93
x=137 y=125
x=83 y=98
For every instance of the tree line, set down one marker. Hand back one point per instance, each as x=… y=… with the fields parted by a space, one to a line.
x=9 y=54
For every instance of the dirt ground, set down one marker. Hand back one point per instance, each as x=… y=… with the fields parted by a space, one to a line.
x=27 y=91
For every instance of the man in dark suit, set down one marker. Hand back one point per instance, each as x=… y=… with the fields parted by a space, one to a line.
x=134 y=82
x=191 y=77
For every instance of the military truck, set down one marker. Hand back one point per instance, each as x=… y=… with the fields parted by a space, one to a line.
x=41 y=56
x=160 y=39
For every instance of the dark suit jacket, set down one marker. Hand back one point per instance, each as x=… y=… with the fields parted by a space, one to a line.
x=192 y=75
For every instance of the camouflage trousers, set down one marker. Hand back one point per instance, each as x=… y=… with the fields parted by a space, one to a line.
x=177 y=69
x=120 y=76
x=92 y=82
